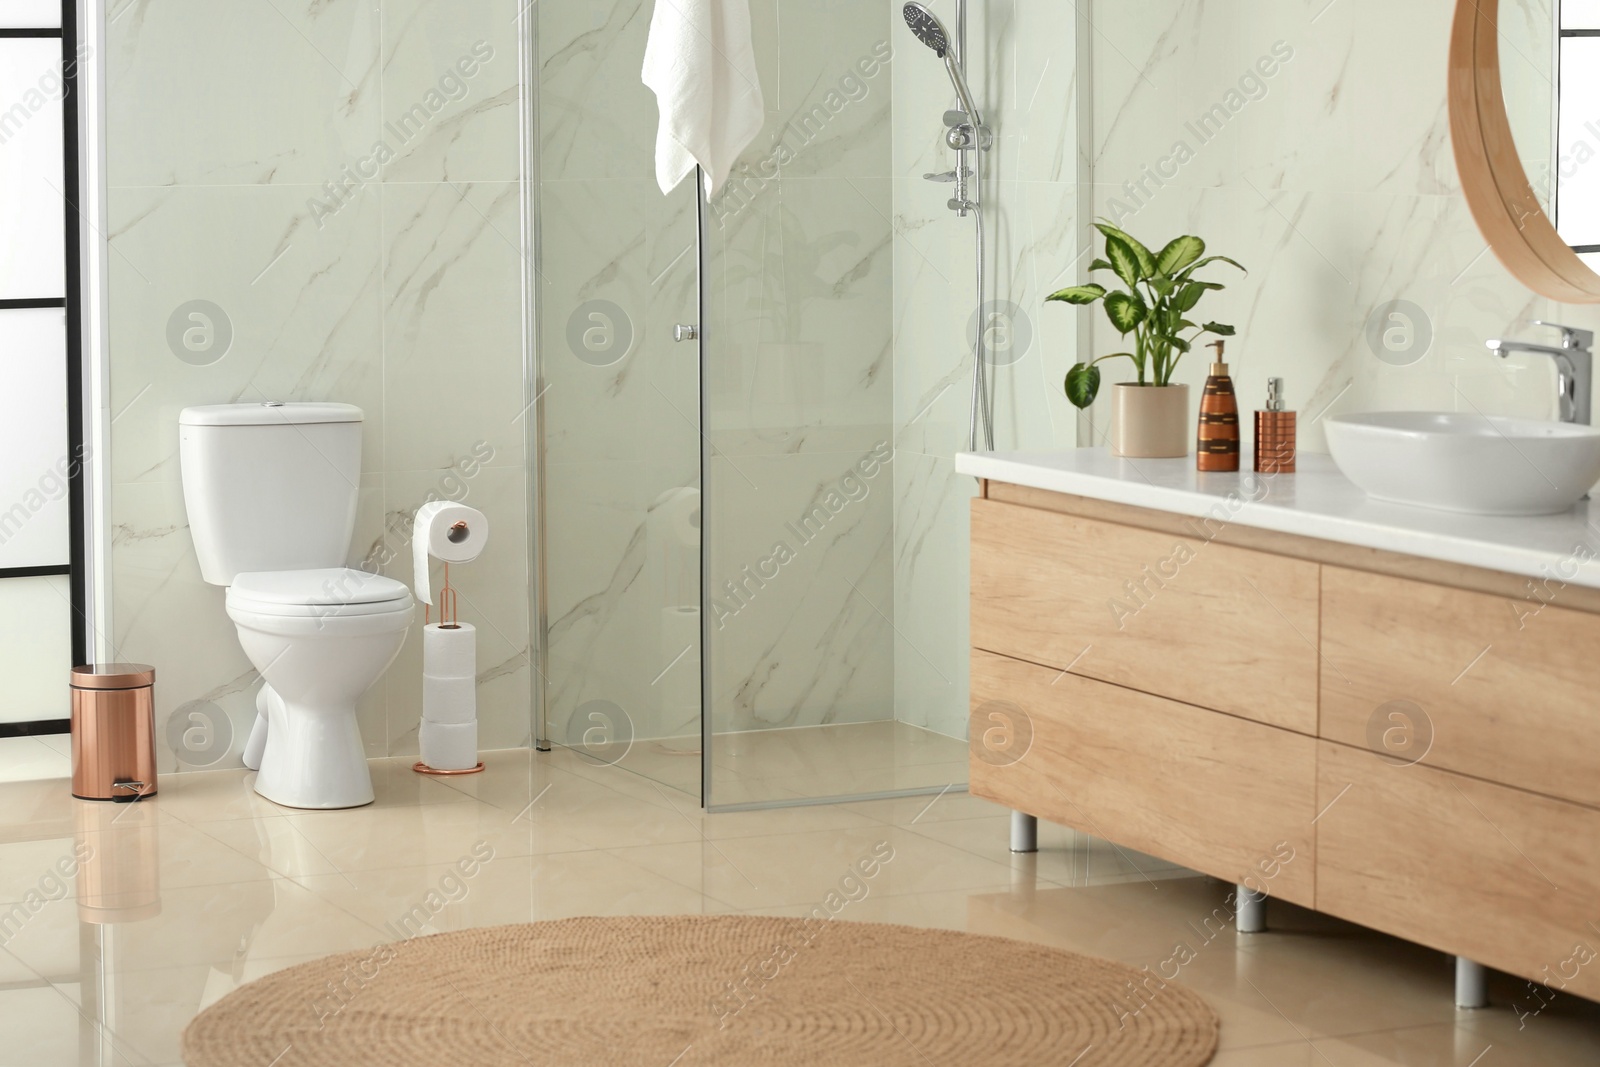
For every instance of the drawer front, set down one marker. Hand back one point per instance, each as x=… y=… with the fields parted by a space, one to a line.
x=1501 y=876
x=1219 y=794
x=1504 y=693
x=1180 y=617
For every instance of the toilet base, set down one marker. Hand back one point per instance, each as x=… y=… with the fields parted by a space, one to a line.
x=313 y=758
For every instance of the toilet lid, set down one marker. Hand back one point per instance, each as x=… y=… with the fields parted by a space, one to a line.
x=327 y=591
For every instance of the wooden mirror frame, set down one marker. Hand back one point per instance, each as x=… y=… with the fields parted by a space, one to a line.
x=1492 y=177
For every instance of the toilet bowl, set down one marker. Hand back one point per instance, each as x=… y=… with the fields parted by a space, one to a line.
x=271 y=491
x=319 y=638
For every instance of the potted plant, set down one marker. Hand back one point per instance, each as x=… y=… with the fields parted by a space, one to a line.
x=1150 y=416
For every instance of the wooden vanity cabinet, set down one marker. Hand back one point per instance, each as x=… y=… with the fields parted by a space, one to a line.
x=1212 y=698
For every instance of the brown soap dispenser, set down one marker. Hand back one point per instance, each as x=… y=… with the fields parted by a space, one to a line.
x=1218 y=445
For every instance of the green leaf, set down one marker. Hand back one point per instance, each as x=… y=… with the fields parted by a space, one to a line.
x=1181 y=252
x=1210 y=259
x=1100 y=264
x=1191 y=294
x=1082 y=384
x=1078 y=294
x=1162 y=285
x=1179 y=343
x=1147 y=262
x=1126 y=311
x=1124 y=260
x=1219 y=329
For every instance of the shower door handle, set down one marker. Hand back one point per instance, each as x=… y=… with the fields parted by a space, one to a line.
x=685 y=332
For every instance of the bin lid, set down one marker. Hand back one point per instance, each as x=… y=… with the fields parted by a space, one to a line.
x=113 y=676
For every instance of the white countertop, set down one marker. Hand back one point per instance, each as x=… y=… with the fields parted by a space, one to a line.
x=1317 y=502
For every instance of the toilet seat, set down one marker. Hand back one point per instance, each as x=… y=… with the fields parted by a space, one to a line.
x=324 y=593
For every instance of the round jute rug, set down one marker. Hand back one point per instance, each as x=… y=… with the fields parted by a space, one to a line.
x=693 y=991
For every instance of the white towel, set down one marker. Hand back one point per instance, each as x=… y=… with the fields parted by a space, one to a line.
x=701 y=64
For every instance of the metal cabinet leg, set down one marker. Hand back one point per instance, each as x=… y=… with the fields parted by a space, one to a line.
x=1472 y=984
x=1251 y=914
x=1024 y=832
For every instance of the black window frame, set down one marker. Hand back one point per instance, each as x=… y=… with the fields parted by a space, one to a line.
x=72 y=304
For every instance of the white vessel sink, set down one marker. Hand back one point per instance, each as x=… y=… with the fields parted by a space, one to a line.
x=1475 y=464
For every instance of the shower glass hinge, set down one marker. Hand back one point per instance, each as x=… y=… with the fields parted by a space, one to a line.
x=685 y=332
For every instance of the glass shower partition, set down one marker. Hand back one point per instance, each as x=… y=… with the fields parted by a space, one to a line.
x=785 y=407
x=618 y=270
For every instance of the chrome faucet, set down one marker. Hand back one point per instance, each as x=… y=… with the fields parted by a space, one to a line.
x=1574 y=366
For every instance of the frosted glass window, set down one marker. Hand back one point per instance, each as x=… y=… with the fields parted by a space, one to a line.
x=1580 y=14
x=30 y=14
x=1578 y=161
x=32 y=209
x=35 y=648
x=34 y=516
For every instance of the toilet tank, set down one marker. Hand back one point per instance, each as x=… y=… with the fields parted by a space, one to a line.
x=270 y=487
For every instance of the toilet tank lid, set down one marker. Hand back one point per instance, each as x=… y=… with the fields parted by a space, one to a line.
x=271 y=413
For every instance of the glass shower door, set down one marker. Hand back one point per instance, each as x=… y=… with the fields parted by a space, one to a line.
x=620 y=401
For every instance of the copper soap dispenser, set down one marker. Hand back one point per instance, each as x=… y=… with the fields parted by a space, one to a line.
x=1275 y=433
x=1217 y=447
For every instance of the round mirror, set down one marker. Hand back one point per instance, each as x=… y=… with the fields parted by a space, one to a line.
x=1525 y=125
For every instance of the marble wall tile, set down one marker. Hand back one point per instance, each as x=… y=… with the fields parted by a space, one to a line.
x=302 y=304
x=801 y=571
x=240 y=94
x=834 y=88
x=452 y=368
x=157 y=596
x=800 y=338
x=450 y=89
x=623 y=587
x=596 y=118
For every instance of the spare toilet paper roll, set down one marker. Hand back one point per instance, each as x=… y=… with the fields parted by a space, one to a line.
x=679 y=511
x=450 y=652
x=451 y=701
x=449 y=746
x=453 y=533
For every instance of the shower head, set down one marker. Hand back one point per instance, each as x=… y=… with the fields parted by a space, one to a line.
x=929 y=30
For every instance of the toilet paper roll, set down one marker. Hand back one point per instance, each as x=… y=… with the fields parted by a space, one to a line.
x=450 y=701
x=453 y=533
x=449 y=746
x=450 y=652
x=679 y=511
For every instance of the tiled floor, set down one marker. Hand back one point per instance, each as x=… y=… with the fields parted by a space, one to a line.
x=839 y=759
x=244 y=888
x=26 y=759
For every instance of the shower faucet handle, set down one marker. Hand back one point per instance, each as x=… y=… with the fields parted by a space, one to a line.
x=947 y=175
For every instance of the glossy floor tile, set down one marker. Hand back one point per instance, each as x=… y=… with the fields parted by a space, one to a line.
x=119 y=922
x=27 y=759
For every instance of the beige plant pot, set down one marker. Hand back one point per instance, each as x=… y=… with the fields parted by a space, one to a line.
x=1150 y=421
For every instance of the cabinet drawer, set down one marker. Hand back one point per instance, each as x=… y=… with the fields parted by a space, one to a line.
x=1212 y=792
x=1506 y=695
x=1180 y=617
x=1503 y=877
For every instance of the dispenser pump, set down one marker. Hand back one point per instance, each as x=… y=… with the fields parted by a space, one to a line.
x=1275 y=394
x=1218 y=365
